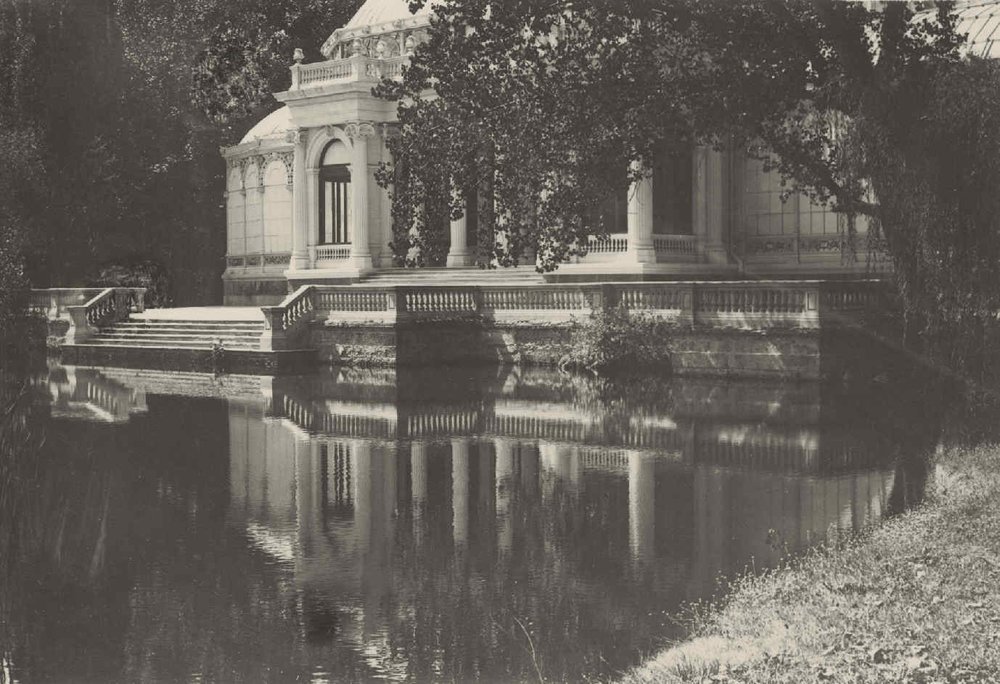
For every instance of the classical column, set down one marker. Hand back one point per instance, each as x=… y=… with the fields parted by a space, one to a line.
x=418 y=491
x=640 y=221
x=361 y=253
x=300 y=203
x=460 y=491
x=307 y=501
x=312 y=213
x=709 y=204
x=458 y=252
x=361 y=469
x=504 y=490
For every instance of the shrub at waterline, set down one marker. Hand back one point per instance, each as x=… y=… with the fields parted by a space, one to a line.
x=619 y=339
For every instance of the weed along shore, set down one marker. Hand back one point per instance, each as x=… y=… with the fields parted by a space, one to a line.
x=916 y=600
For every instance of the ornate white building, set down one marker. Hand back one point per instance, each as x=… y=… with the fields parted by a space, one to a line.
x=303 y=205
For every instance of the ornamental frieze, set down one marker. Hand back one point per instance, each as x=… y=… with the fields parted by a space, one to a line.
x=834 y=245
x=261 y=162
x=770 y=246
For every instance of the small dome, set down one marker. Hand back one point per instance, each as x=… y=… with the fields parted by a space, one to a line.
x=375 y=12
x=376 y=17
x=271 y=127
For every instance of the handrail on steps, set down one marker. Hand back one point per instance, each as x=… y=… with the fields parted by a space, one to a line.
x=112 y=305
x=286 y=323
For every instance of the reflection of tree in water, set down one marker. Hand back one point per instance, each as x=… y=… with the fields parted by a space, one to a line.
x=55 y=515
x=546 y=552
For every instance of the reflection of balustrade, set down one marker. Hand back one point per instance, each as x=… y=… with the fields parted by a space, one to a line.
x=441 y=423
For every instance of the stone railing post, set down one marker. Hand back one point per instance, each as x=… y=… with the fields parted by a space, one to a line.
x=687 y=305
x=273 y=338
x=80 y=329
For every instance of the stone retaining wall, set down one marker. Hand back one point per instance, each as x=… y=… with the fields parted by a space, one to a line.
x=789 y=354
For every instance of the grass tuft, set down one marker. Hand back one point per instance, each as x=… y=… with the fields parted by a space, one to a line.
x=917 y=600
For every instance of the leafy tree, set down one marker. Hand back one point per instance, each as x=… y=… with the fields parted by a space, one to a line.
x=121 y=106
x=539 y=107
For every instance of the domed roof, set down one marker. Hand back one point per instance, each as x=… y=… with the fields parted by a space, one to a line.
x=376 y=17
x=272 y=126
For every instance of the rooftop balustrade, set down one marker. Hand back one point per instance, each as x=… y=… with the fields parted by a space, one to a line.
x=347 y=70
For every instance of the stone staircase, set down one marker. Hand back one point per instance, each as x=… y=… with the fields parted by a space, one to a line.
x=181 y=334
x=452 y=276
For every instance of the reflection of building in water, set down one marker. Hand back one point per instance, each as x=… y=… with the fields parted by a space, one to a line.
x=350 y=513
x=392 y=508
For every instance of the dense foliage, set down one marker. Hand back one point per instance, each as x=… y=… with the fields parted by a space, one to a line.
x=539 y=107
x=112 y=113
x=619 y=340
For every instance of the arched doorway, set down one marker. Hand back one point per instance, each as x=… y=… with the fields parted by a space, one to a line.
x=335 y=211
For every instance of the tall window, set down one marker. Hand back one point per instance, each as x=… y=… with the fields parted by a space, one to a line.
x=612 y=213
x=673 y=186
x=335 y=196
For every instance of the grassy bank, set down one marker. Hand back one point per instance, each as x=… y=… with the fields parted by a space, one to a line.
x=918 y=600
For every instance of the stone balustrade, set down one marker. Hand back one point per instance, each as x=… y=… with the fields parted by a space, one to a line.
x=287 y=322
x=112 y=305
x=672 y=248
x=676 y=247
x=742 y=305
x=347 y=70
x=54 y=303
x=333 y=252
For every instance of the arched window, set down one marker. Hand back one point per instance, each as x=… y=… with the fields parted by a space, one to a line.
x=335 y=216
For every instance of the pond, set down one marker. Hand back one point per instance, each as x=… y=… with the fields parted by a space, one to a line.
x=423 y=525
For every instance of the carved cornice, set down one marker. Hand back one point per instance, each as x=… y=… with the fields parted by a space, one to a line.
x=261 y=162
x=385 y=39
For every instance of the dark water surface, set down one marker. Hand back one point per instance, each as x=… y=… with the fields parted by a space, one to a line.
x=426 y=525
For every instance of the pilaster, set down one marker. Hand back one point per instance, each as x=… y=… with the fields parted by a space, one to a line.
x=301 y=186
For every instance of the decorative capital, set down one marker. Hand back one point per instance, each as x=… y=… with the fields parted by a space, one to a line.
x=360 y=129
x=295 y=135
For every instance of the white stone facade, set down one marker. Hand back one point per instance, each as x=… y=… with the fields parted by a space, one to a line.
x=297 y=212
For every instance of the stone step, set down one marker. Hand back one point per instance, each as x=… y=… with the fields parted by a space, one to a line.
x=449 y=279
x=184 y=332
x=104 y=341
x=161 y=342
x=191 y=325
